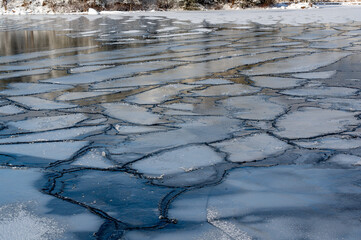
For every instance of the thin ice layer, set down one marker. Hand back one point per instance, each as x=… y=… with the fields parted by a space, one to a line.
x=55 y=135
x=276 y=82
x=131 y=113
x=116 y=72
x=311 y=122
x=260 y=201
x=41 y=154
x=49 y=123
x=193 y=130
x=346 y=160
x=226 y=90
x=118 y=194
x=297 y=64
x=69 y=96
x=321 y=91
x=22 y=88
x=251 y=148
x=331 y=142
x=158 y=95
x=315 y=75
x=253 y=107
x=10 y=110
x=41 y=104
x=183 y=159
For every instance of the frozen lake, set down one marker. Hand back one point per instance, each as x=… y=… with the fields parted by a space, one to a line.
x=149 y=127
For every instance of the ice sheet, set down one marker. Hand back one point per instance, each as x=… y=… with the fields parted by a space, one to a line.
x=298 y=64
x=49 y=123
x=131 y=113
x=311 y=122
x=41 y=104
x=183 y=159
x=257 y=147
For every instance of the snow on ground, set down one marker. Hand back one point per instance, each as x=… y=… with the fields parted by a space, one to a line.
x=294 y=14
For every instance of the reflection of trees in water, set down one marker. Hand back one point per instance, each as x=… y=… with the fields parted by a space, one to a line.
x=15 y=42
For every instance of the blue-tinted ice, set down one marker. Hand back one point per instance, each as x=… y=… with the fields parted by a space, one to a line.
x=125 y=127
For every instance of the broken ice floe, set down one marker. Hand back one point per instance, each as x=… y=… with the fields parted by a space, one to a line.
x=315 y=75
x=41 y=104
x=183 y=159
x=55 y=135
x=321 y=91
x=158 y=95
x=41 y=154
x=225 y=90
x=118 y=194
x=251 y=148
x=131 y=113
x=253 y=107
x=258 y=202
x=312 y=122
x=276 y=82
x=303 y=63
x=331 y=142
x=115 y=72
x=94 y=158
x=10 y=110
x=346 y=160
x=16 y=89
x=70 y=96
x=48 y=123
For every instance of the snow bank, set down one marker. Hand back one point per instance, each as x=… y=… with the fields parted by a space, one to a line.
x=294 y=14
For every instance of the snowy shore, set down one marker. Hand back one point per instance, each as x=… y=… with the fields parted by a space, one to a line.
x=290 y=16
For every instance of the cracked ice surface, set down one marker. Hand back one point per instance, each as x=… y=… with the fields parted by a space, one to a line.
x=149 y=127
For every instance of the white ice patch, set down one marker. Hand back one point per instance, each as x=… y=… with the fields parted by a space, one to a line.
x=158 y=95
x=253 y=107
x=41 y=104
x=251 y=148
x=183 y=159
x=94 y=159
x=131 y=113
x=276 y=82
x=69 y=96
x=331 y=142
x=311 y=122
x=16 y=89
x=315 y=75
x=17 y=223
x=56 y=135
x=48 y=123
x=226 y=90
x=346 y=159
x=10 y=110
x=54 y=151
x=226 y=226
x=321 y=92
x=298 y=64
